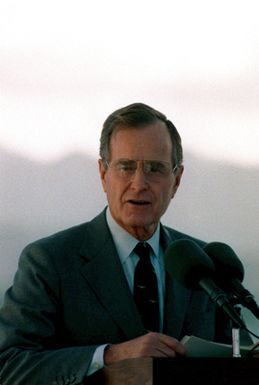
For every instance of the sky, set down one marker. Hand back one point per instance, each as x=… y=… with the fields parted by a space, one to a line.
x=66 y=65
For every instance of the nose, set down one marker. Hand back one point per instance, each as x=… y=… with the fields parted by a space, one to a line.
x=139 y=179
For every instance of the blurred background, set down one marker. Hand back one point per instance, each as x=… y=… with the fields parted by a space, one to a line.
x=66 y=65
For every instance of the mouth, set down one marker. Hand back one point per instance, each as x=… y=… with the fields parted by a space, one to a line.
x=138 y=202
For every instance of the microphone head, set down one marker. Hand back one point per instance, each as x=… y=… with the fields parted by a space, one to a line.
x=227 y=264
x=186 y=261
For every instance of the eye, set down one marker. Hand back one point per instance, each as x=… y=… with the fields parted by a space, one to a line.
x=126 y=166
x=157 y=167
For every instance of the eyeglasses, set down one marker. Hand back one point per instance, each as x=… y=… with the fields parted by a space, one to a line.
x=153 y=169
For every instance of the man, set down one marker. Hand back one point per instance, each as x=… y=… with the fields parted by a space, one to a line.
x=72 y=306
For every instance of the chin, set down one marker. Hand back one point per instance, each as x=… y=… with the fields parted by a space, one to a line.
x=139 y=221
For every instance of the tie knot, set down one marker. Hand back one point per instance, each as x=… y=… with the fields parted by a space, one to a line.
x=142 y=249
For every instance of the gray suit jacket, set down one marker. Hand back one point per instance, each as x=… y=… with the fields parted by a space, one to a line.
x=70 y=295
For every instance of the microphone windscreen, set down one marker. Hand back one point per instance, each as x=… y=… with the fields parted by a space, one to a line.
x=186 y=261
x=227 y=264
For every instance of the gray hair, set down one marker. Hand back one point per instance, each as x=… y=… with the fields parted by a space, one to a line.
x=138 y=115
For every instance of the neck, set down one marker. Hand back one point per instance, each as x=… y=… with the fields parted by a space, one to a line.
x=141 y=233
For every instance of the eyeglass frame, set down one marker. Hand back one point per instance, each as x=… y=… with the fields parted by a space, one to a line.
x=144 y=163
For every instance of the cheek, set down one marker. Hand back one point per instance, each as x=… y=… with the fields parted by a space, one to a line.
x=165 y=197
x=113 y=189
x=168 y=191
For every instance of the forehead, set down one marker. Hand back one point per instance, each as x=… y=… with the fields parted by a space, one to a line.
x=148 y=142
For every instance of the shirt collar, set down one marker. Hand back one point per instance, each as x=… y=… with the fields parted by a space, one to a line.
x=125 y=242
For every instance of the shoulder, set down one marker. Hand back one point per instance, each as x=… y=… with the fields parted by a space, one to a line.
x=68 y=241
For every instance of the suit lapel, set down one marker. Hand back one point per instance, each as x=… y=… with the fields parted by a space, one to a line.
x=102 y=269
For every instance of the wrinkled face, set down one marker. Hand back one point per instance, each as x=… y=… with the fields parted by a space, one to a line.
x=138 y=194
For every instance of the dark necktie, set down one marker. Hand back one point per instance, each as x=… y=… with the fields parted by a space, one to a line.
x=145 y=288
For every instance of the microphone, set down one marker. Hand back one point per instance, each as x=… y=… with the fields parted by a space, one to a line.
x=230 y=273
x=186 y=261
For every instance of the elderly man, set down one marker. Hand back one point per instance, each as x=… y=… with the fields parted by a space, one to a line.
x=98 y=292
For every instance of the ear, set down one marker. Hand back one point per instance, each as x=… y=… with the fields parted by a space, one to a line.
x=178 y=176
x=102 y=173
